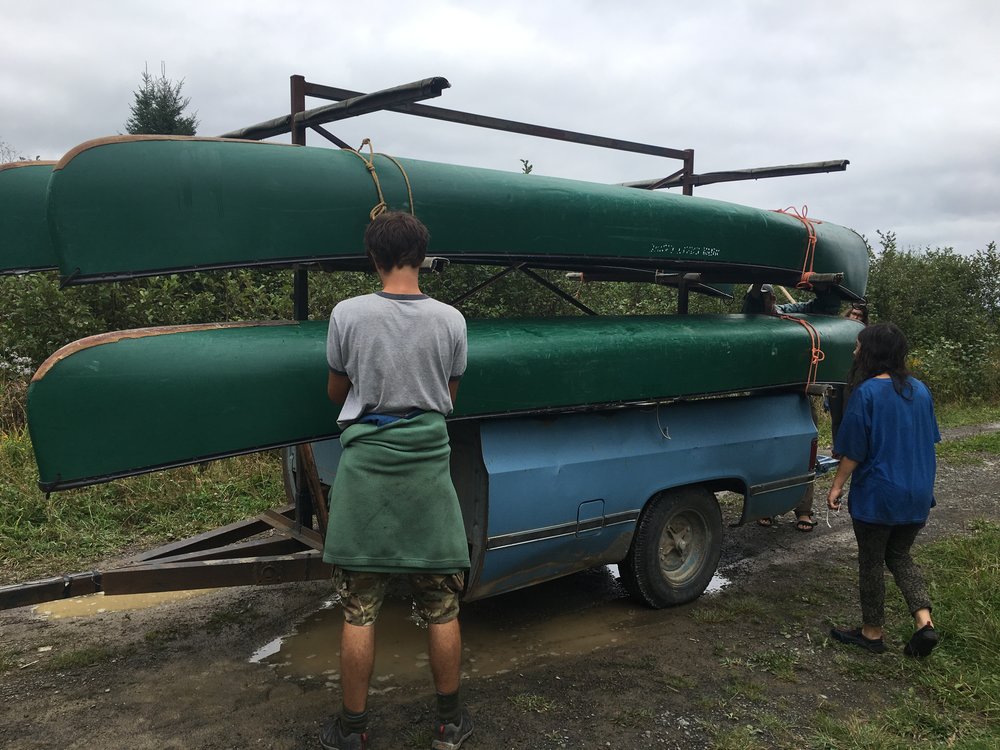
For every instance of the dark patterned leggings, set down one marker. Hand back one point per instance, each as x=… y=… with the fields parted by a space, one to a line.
x=878 y=544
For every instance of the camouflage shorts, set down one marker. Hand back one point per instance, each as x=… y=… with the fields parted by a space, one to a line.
x=434 y=594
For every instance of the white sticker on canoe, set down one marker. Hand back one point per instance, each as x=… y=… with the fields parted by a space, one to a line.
x=686 y=251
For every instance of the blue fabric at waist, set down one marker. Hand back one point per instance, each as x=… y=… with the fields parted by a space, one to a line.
x=381 y=420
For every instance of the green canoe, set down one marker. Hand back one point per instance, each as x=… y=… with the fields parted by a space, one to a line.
x=130 y=402
x=141 y=205
x=25 y=244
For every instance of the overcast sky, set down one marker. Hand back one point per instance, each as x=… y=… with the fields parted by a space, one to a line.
x=907 y=90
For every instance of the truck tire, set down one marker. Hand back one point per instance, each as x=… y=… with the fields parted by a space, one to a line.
x=675 y=549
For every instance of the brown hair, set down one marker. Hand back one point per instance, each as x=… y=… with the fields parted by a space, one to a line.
x=862 y=308
x=395 y=239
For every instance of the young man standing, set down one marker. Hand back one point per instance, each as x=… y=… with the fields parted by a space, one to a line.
x=395 y=359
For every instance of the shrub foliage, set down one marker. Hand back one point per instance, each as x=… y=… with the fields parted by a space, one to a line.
x=948 y=303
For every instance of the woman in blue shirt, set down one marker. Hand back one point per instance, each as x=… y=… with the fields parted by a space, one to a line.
x=886 y=443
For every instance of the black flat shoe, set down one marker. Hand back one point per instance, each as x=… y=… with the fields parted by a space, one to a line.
x=922 y=642
x=857 y=638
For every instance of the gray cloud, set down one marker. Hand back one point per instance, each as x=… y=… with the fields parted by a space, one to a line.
x=904 y=90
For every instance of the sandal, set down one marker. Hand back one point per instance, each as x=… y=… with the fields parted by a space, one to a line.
x=805 y=525
x=766 y=522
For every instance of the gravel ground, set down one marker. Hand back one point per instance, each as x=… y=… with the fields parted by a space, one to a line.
x=750 y=660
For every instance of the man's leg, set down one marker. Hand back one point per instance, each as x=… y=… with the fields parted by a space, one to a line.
x=445 y=648
x=804 y=510
x=357 y=659
x=361 y=595
x=436 y=596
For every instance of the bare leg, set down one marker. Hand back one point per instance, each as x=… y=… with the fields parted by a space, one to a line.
x=922 y=618
x=357 y=659
x=871 y=632
x=445 y=647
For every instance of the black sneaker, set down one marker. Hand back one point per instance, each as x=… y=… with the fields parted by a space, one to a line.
x=451 y=736
x=922 y=642
x=333 y=737
x=856 y=637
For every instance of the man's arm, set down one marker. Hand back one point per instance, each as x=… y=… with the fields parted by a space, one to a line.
x=337 y=387
x=453 y=389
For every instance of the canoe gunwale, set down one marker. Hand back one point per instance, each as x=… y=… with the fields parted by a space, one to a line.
x=722 y=273
x=113 y=337
x=646 y=403
x=20 y=164
x=25 y=270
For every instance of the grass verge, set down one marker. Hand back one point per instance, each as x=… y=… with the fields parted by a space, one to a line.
x=951 y=699
x=70 y=531
x=970 y=450
x=965 y=414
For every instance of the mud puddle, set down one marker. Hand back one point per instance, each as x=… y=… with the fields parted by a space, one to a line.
x=568 y=617
x=95 y=604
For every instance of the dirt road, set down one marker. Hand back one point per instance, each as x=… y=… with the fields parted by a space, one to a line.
x=571 y=664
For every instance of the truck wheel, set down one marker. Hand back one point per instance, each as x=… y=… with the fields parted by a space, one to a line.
x=675 y=549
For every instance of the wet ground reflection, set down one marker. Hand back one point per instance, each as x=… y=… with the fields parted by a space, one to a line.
x=569 y=616
x=95 y=604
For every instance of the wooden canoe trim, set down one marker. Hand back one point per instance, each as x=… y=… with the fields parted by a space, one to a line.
x=18 y=164
x=108 y=139
x=140 y=333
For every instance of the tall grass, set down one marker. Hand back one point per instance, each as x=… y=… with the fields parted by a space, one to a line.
x=72 y=530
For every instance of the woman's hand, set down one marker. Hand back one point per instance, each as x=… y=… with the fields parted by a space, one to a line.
x=833 y=498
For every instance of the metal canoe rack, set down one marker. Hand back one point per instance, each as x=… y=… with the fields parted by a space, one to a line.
x=285 y=545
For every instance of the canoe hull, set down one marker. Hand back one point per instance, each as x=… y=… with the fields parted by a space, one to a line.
x=131 y=206
x=128 y=403
x=25 y=245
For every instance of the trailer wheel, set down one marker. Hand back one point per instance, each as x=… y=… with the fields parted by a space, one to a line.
x=675 y=549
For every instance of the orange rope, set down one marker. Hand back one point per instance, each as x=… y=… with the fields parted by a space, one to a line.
x=810 y=254
x=816 y=354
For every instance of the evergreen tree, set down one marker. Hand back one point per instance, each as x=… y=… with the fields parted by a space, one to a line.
x=159 y=108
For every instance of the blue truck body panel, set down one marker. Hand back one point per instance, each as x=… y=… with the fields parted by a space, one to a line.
x=543 y=497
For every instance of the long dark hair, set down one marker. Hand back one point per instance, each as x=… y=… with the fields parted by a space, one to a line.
x=882 y=348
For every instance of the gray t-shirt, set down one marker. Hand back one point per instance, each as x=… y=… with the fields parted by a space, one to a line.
x=399 y=351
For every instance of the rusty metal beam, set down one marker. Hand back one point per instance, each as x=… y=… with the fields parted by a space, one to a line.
x=295 y=530
x=561 y=293
x=246 y=571
x=49 y=589
x=350 y=107
x=273 y=545
x=331 y=137
x=496 y=123
x=229 y=534
x=736 y=175
x=483 y=284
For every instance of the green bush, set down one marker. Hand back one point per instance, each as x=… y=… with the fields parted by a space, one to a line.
x=960 y=371
x=948 y=304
